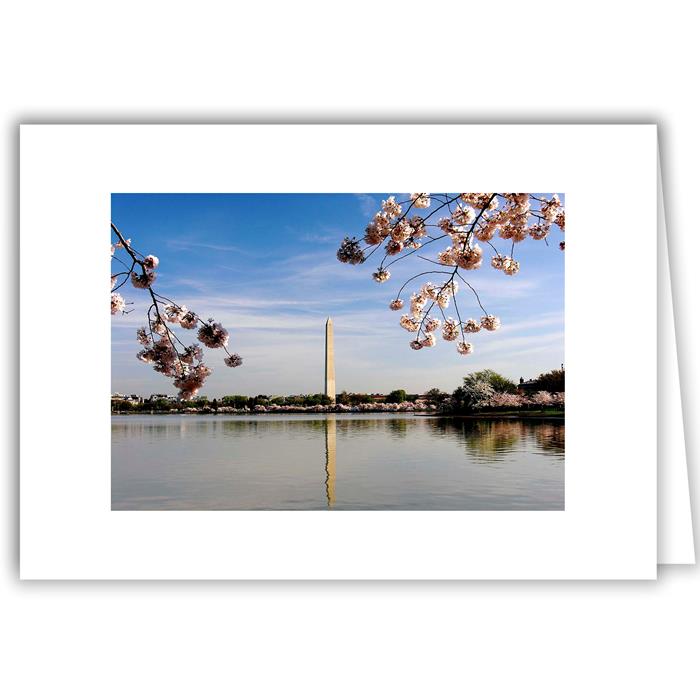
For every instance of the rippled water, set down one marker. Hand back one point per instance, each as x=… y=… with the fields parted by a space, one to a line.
x=350 y=462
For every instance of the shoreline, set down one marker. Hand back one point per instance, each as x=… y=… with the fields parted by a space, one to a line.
x=554 y=415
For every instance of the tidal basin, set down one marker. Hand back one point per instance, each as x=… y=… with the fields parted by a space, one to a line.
x=329 y=462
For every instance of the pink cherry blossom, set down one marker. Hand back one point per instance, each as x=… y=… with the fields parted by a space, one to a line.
x=490 y=323
x=431 y=324
x=381 y=275
x=465 y=348
x=391 y=208
x=233 y=361
x=510 y=266
x=409 y=323
x=118 y=303
x=429 y=341
x=394 y=247
x=189 y=320
x=142 y=337
x=213 y=334
x=469 y=258
x=174 y=313
x=143 y=281
x=450 y=329
x=421 y=200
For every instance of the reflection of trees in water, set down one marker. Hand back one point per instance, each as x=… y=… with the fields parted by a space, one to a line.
x=491 y=437
x=344 y=427
x=397 y=426
x=480 y=436
x=160 y=430
x=550 y=436
x=484 y=437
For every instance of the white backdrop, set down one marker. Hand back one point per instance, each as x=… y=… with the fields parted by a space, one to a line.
x=602 y=61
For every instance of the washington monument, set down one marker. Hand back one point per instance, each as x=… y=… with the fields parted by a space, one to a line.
x=329 y=388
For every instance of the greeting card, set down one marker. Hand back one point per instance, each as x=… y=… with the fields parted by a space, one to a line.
x=310 y=370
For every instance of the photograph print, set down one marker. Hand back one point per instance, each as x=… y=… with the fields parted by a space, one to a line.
x=350 y=351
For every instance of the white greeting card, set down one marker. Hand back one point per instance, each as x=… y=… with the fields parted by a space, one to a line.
x=454 y=287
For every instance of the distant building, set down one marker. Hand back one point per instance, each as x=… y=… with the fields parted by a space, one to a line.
x=134 y=399
x=162 y=397
x=528 y=387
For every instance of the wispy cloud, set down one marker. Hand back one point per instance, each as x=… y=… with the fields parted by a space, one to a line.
x=368 y=204
x=317 y=238
x=183 y=244
x=555 y=318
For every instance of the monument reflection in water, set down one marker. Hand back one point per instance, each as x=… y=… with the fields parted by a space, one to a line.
x=336 y=462
x=330 y=461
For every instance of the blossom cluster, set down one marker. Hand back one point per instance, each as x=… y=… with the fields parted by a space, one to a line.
x=171 y=357
x=118 y=303
x=403 y=407
x=336 y=408
x=162 y=348
x=466 y=220
x=538 y=399
x=420 y=321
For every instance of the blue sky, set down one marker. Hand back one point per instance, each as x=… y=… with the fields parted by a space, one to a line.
x=264 y=265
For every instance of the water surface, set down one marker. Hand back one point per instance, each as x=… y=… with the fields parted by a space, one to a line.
x=336 y=462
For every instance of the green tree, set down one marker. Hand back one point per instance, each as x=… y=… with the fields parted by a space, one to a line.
x=234 y=400
x=396 y=396
x=470 y=396
x=495 y=380
x=259 y=400
x=435 y=396
x=551 y=381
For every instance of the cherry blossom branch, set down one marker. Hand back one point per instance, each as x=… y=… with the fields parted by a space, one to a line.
x=479 y=216
x=478 y=301
x=185 y=366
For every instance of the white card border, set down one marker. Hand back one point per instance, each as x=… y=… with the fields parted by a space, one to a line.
x=608 y=529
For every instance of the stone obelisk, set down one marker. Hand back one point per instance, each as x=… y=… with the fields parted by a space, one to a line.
x=330 y=362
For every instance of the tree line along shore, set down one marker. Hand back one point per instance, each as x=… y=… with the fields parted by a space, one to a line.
x=482 y=393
